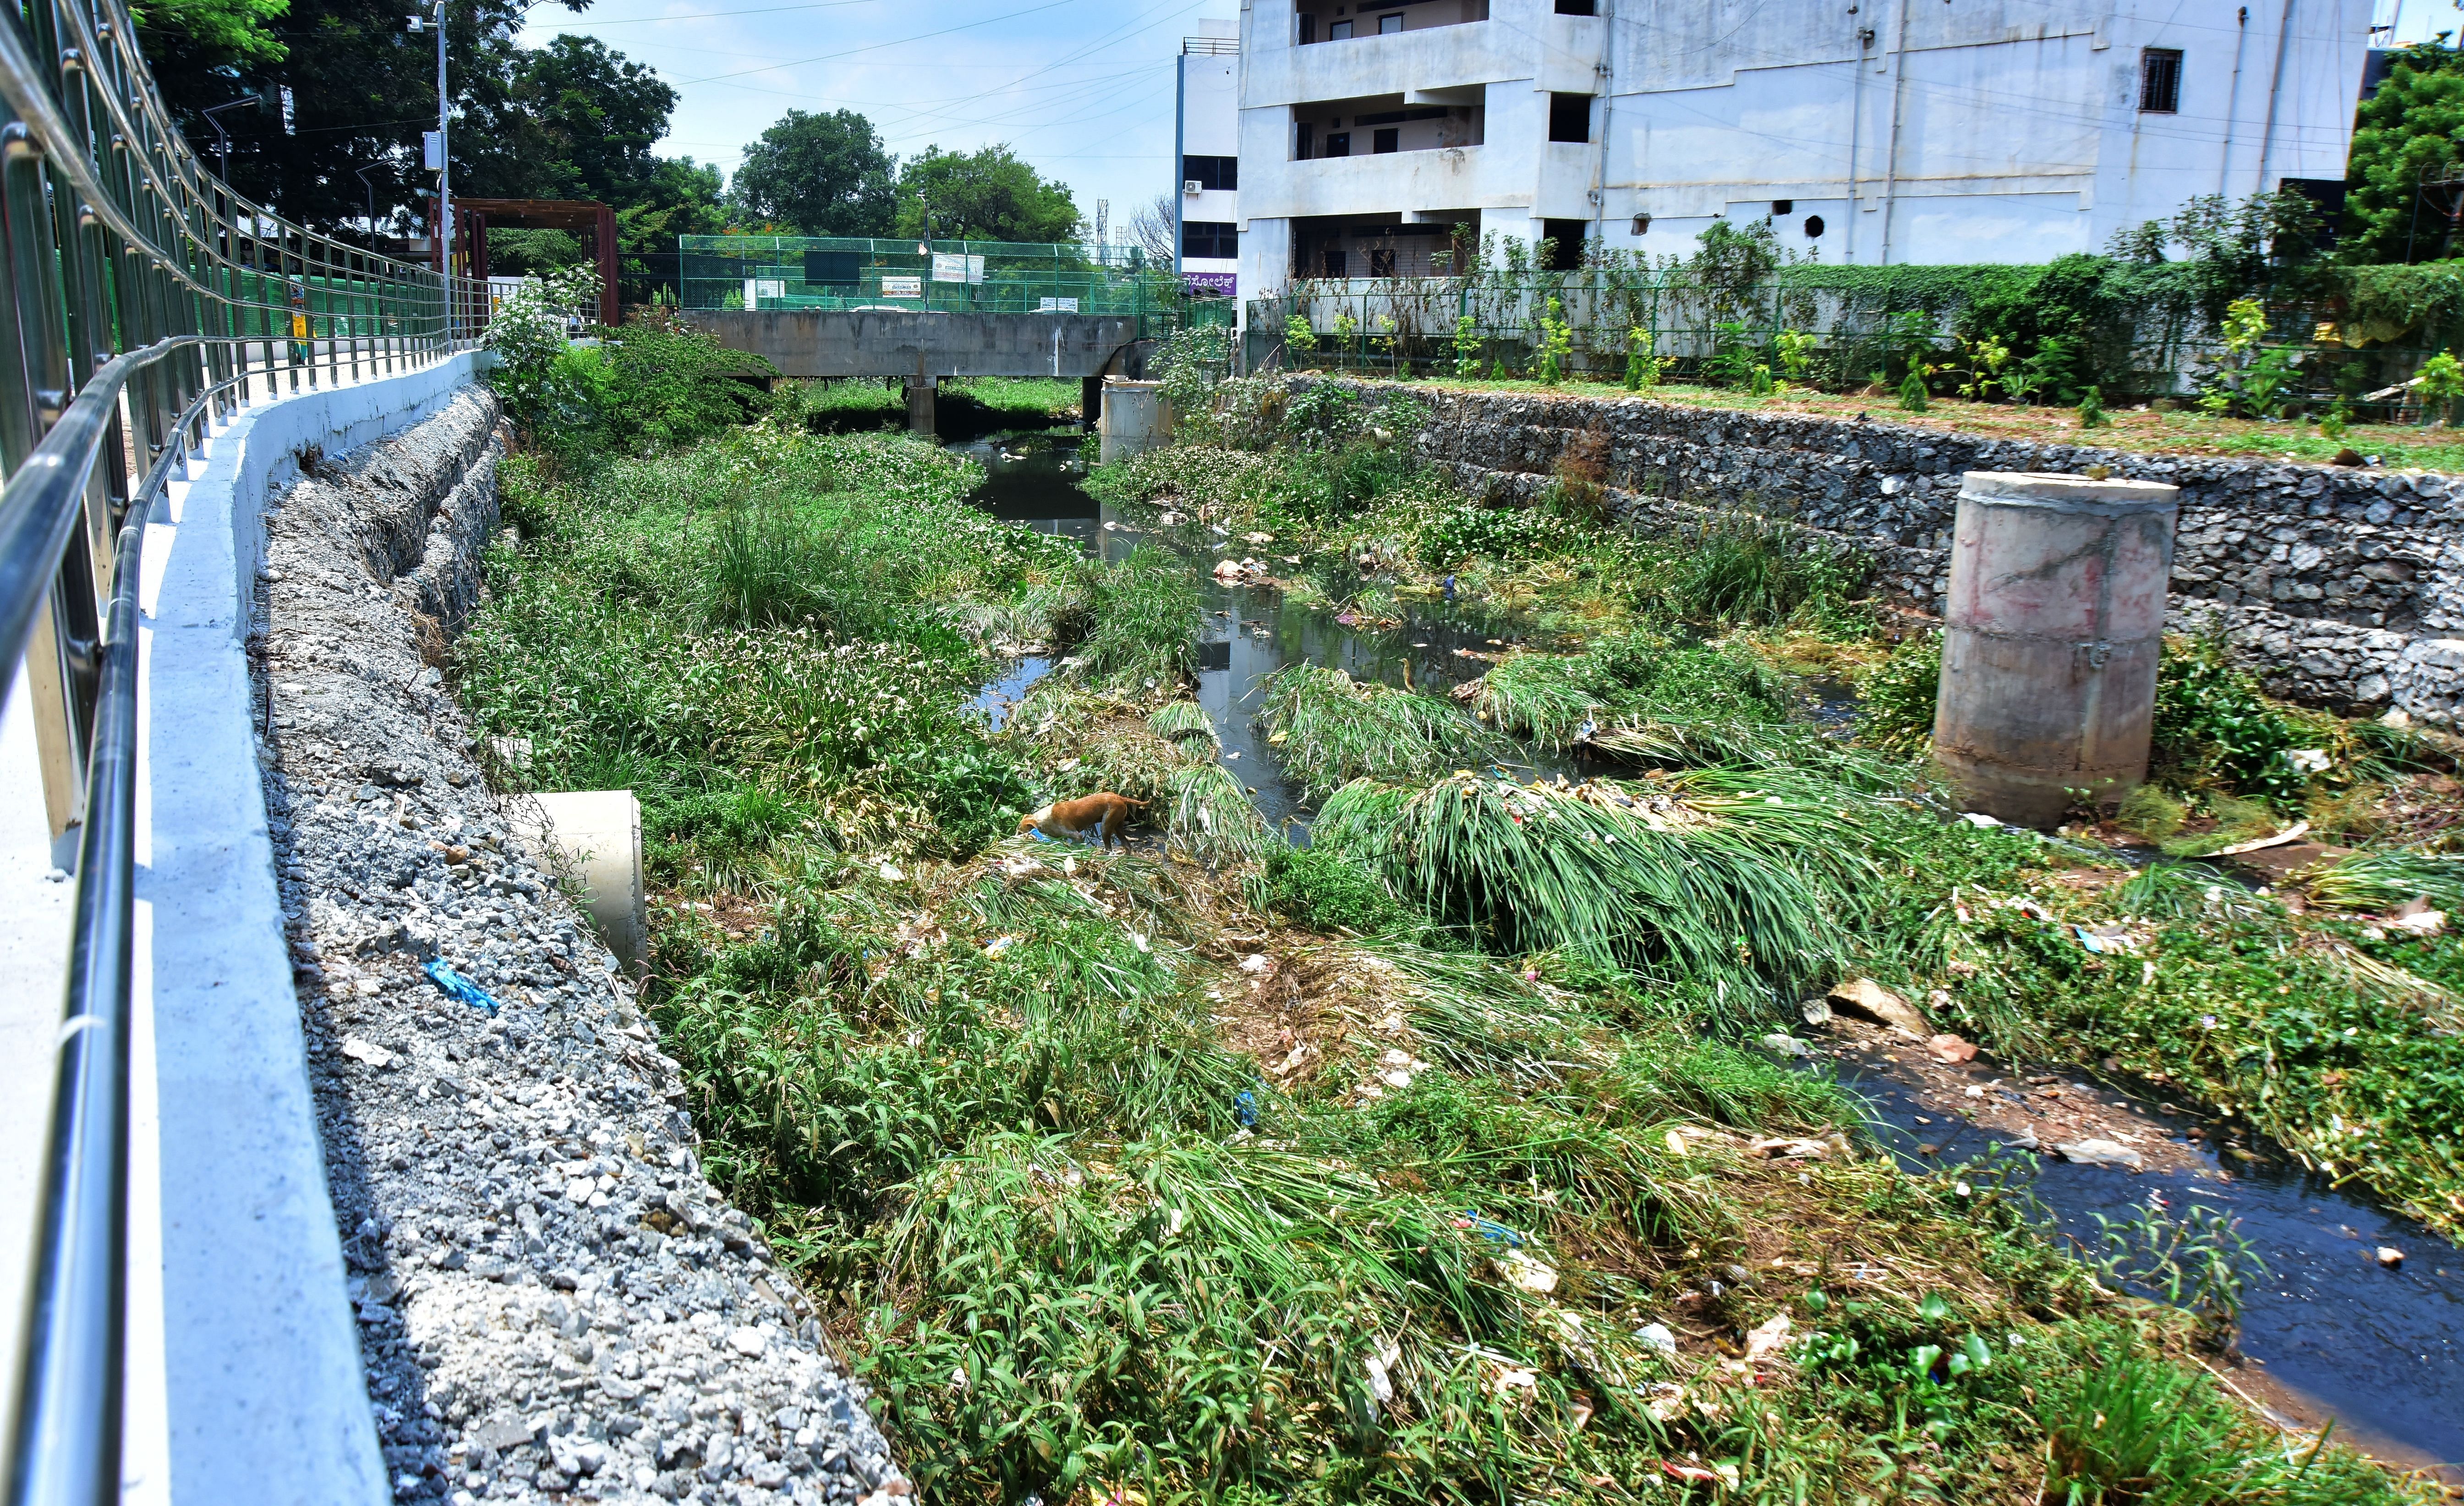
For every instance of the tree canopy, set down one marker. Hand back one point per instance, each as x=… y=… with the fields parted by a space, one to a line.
x=988 y=195
x=572 y=119
x=2414 y=121
x=819 y=174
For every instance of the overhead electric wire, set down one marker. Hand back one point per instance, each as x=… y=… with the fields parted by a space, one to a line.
x=874 y=47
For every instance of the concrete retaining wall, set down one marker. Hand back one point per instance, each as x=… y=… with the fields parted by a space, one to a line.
x=244 y=1348
x=2341 y=587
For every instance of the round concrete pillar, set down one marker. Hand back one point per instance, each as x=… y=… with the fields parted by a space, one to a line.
x=2050 y=640
x=1137 y=417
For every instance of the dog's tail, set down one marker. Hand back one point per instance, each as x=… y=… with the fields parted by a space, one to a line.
x=1127 y=801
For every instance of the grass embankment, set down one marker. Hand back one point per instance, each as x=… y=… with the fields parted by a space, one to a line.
x=963 y=405
x=2142 y=429
x=1299 y=1178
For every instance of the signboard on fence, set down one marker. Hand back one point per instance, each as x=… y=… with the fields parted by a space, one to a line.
x=1056 y=305
x=755 y=289
x=949 y=266
x=1227 y=284
x=902 y=287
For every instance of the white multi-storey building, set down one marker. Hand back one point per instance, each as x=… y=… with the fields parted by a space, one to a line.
x=1869 y=131
x=1207 y=200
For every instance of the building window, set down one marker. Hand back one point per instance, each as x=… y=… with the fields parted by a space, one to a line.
x=2160 y=80
x=1643 y=224
x=1578 y=7
x=1566 y=244
x=1303 y=139
x=1338 y=144
x=1391 y=139
x=1307 y=30
x=1333 y=263
x=1218 y=241
x=1780 y=207
x=1389 y=25
x=1382 y=261
x=1813 y=227
x=1339 y=31
x=1212 y=172
x=1569 y=117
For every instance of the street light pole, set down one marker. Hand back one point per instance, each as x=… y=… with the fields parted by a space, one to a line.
x=444 y=157
x=222 y=138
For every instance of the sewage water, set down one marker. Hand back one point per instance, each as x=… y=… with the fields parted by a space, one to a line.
x=1247 y=632
x=2335 y=1336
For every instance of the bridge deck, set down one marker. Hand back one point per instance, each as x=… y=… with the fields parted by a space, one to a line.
x=890 y=343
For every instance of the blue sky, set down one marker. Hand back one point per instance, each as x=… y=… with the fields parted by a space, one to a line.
x=1081 y=88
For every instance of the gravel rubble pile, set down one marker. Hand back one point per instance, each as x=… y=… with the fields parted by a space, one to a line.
x=554 y=1303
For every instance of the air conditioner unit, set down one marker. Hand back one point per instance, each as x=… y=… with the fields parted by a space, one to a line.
x=1192 y=186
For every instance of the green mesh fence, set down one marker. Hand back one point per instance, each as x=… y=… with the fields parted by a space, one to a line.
x=811 y=272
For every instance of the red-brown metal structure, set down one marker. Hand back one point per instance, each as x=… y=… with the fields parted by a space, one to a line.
x=474 y=218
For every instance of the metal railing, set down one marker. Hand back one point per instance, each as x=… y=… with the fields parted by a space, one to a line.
x=146 y=302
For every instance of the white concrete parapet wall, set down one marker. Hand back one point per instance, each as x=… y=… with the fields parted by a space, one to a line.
x=245 y=1381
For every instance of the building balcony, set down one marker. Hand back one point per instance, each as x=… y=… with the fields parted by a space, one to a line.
x=1445 y=64
x=1402 y=182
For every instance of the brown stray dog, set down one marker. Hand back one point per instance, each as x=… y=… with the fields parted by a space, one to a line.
x=1103 y=813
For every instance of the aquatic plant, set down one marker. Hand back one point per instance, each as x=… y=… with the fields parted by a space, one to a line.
x=1328 y=727
x=1741 y=568
x=1626 y=875
x=2382 y=880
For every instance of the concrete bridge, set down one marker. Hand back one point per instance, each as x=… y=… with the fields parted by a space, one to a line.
x=924 y=346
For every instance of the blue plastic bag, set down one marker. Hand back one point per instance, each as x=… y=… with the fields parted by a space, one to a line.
x=457 y=987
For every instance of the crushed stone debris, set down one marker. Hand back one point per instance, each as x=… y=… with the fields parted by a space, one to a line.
x=554 y=1303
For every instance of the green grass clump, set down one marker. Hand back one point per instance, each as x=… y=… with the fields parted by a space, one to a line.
x=1721 y=884
x=1144 y=636
x=1740 y=569
x=1327 y=892
x=1895 y=698
x=1328 y=727
x=1556 y=701
x=2215 y=728
x=2137 y=1429
x=2382 y=880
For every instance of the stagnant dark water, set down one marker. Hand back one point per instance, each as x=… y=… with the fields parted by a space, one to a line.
x=2337 y=1335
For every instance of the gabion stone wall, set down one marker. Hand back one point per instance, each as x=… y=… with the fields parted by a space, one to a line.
x=2342 y=586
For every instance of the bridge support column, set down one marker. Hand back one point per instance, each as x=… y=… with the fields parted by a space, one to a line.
x=921 y=401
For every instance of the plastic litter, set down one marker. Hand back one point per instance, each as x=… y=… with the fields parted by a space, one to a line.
x=1244 y=1109
x=456 y=986
x=1469 y=1218
x=999 y=945
x=1532 y=1276
x=1656 y=1337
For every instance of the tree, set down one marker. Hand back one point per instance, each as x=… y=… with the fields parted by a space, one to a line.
x=823 y=174
x=2414 y=122
x=1151 y=230
x=573 y=120
x=982 y=195
x=681 y=199
x=363 y=87
x=227 y=30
